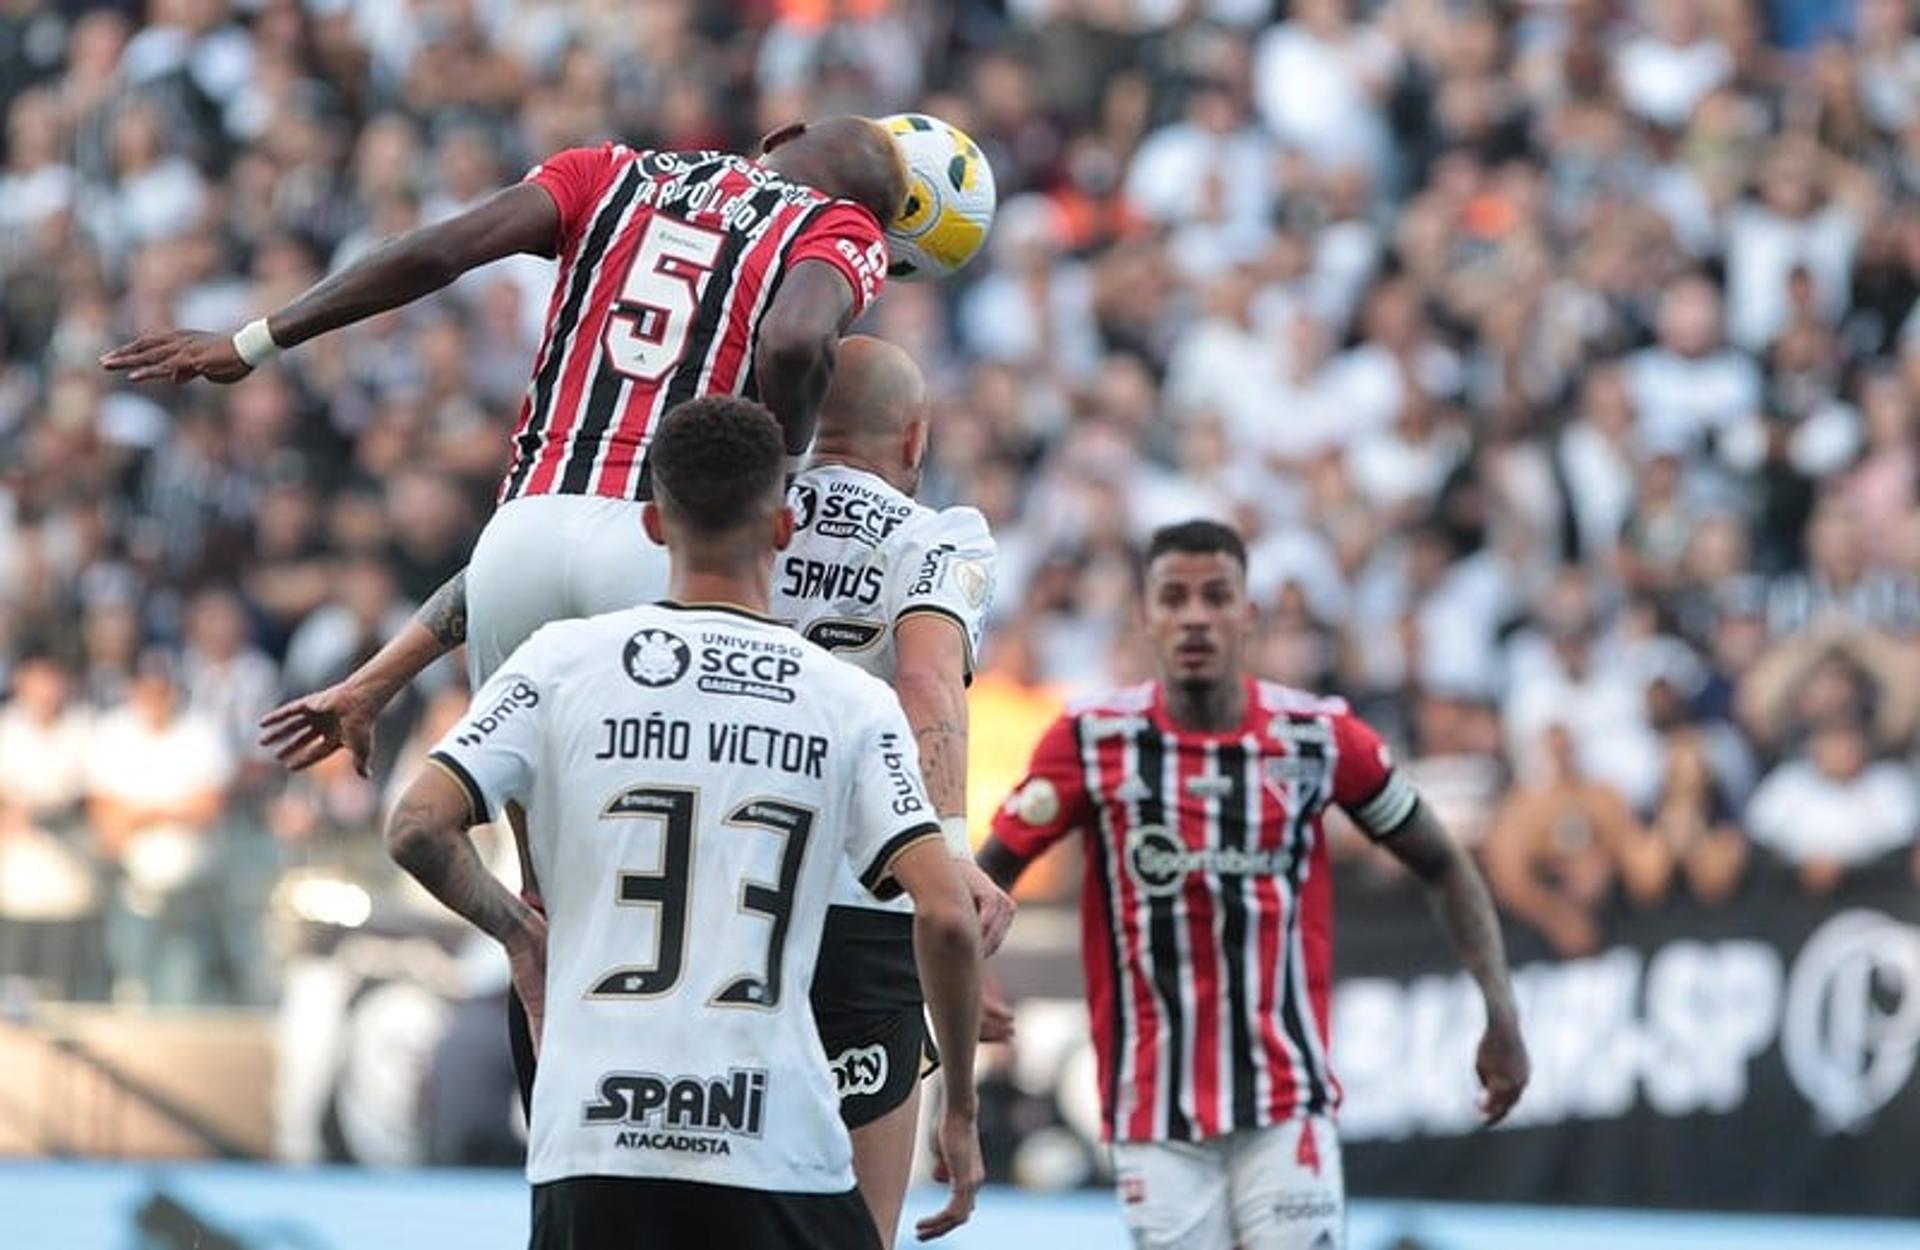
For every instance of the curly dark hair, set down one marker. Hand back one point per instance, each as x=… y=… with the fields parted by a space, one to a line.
x=714 y=458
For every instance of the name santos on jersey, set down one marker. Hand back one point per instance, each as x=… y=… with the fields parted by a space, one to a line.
x=863 y=558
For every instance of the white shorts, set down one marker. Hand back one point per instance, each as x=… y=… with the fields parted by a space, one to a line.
x=1277 y=1188
x=549 y=558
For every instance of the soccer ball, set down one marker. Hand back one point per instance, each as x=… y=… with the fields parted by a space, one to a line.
x=950 y=199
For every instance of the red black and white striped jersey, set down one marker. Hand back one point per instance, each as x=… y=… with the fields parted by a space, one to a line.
x=668 y=261
x=1206 y=915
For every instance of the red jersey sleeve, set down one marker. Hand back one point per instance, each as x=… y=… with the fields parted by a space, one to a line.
x=575 y=178
x=847 y=237
x=1052 y=800
x=1366 y=784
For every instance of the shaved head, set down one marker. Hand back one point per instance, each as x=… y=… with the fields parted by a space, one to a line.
x=874 y=415
x=877 y=392
x=847 y=157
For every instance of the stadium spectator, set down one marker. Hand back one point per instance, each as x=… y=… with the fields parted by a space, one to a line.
x=158 y=777
x=1557 y=848
x=1834 y=808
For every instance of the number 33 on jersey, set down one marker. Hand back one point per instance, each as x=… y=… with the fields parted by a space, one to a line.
x=693 y=778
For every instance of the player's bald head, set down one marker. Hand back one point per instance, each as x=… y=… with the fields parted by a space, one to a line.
x=877 y=392
x=848 y=157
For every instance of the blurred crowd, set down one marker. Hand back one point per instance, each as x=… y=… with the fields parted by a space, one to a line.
x=1558 y=357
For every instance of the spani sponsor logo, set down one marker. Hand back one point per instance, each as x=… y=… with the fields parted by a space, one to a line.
x=688 y=1114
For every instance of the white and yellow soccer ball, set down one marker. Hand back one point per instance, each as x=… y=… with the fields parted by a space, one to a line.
x=950 y=199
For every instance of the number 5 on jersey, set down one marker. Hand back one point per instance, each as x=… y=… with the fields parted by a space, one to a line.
x=666 y=889
x=659 y=297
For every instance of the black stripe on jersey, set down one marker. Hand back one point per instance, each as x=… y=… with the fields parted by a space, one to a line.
x=878 y=878
x=585 y=268
x=1292 y=1017
x=603 y=394
x=750 y=383
x=708 y=325
x=476 y=797
x=1163 y=938
x=1110 y=883
x=1236 y=763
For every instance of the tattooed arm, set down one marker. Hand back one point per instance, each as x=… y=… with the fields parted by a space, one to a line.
x=427 y=836
x=1465 y=911
x=930 y=677
x=306 y=730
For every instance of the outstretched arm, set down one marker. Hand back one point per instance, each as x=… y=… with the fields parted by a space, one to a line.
x=1466 y=913
x=306 y=730
x=521 y=218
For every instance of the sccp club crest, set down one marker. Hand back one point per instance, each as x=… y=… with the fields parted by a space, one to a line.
x=656 y=658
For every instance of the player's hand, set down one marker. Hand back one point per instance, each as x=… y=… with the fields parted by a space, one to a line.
x=956 y=1163
x=996 y=1017
x=304 y=731
x=527 y=962
x=178 y=356
x=1503 y=1068
x=993 y=904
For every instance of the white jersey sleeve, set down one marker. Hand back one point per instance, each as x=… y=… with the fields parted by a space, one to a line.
x=493 y=750
x=945 y=564
x=890 y=809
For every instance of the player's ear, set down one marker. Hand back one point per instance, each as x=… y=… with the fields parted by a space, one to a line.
x=782 y=526
x=915 y=446
x=651 y=523
x=774 y=138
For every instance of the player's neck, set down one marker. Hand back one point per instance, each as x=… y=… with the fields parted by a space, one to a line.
x=735 y=589
x=1207 y=707
x=847 y=458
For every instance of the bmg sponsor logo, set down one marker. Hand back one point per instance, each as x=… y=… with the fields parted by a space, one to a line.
x=519 y=696
x=893 y=758
x=690 y=1114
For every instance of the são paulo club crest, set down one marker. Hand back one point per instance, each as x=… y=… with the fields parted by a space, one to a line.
x=656 y=658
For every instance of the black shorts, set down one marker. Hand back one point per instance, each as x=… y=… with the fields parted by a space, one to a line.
x=868 y=1007
x=623 y=1213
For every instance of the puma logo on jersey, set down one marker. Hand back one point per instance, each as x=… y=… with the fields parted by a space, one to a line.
x=861 y=1070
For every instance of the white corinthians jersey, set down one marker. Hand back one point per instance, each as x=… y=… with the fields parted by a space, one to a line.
x=695 y=779
x=863 y=558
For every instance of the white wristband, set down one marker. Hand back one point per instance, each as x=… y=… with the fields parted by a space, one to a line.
x=954 y=830
x=254 y=343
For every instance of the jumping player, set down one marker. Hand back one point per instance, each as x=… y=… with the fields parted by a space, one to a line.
x=898 y=590
x=695 y=768
x=681 y=274
x=1207 y=914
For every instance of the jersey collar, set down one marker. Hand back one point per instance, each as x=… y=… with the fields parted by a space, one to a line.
x=731 y=609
